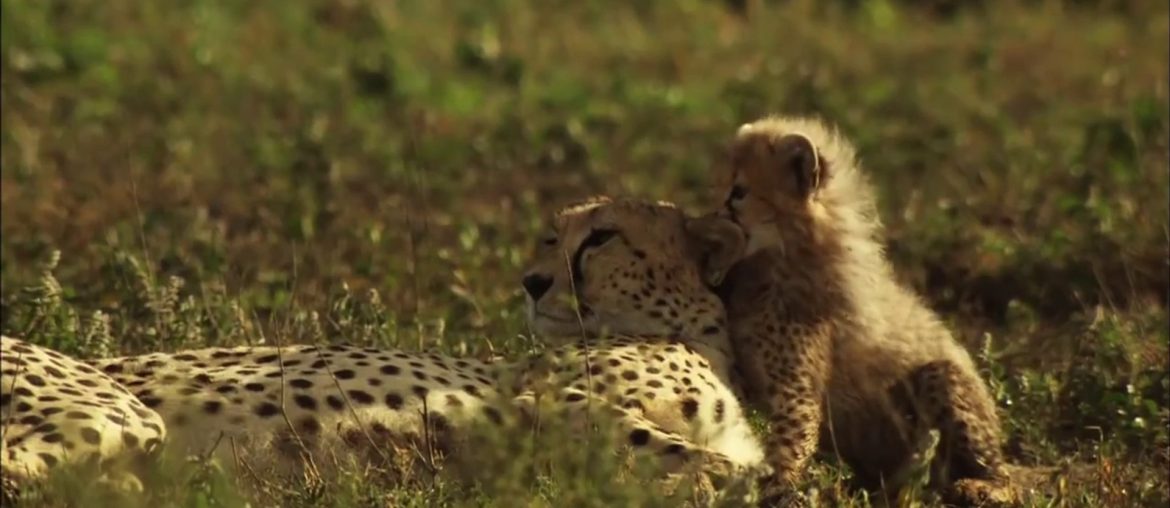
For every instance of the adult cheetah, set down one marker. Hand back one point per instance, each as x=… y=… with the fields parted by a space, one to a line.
x=848 y=358
x=657 y=358
x=56 y=410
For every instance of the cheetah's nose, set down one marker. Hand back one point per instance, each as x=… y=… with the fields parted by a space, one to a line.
x=536 y=285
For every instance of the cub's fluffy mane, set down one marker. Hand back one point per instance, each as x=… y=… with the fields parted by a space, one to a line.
x=843 y=207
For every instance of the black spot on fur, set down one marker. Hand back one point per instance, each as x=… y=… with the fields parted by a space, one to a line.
x=305 y=402
x=50 y=460
x=310 y=426
x=393 y=401
x=267 y=409
x=493 y=414
x=634 y=404
x=639 y=437
x=360 y=397
x=90 y=436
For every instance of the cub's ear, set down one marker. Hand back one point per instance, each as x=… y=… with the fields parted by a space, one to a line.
x=717 y=244
x=796 y=155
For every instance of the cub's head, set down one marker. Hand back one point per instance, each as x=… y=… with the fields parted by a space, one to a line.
x=630 y=267
x=788 y=175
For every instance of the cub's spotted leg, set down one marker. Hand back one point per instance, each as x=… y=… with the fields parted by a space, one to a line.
x=792 y=386
x=950 y=399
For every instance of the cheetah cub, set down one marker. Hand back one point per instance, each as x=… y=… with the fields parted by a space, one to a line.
x=841 y=354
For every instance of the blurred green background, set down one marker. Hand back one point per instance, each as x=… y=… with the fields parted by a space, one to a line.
x=193 y=172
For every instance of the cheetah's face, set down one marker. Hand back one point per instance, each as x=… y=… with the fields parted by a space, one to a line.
x=626 y=267
x=771 y=178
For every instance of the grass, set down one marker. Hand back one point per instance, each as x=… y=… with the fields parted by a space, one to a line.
x=200 y=172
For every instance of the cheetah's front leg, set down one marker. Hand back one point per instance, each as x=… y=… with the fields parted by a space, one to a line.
x=673 y=451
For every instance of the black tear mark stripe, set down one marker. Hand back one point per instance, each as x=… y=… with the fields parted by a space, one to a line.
x=596 y=238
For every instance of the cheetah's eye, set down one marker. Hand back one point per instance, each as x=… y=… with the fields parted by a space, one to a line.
x=549 y=240
x=598 y=237
x=738 y=192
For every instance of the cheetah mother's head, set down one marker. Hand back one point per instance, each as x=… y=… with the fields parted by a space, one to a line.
x=630 y=267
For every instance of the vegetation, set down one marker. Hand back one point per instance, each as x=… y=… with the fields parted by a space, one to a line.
x=195 y=172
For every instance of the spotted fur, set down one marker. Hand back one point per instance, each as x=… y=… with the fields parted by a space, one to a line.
x=56 y=410
x=847 y=359
x=664 y=379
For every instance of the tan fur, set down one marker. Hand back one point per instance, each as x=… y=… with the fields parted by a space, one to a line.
x=849 y=359
x=55 y=410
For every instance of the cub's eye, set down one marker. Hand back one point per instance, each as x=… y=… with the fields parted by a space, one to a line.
x=737 y=192
x=598 y=237
x=549 y=240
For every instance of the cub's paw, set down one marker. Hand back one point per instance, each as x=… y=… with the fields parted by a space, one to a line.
x=781 y=494
x=971 y=492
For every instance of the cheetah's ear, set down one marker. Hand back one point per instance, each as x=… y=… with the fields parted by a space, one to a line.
x=798 y=156
x=717 y=244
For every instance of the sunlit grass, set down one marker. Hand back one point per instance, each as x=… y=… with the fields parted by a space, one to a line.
x=375 y=173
